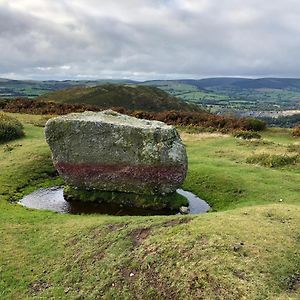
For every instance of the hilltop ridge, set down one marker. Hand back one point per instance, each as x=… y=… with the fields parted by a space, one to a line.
x=131 y=97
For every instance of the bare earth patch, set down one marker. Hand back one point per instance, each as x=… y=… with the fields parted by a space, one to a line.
x=139 y=235
x=39 y=286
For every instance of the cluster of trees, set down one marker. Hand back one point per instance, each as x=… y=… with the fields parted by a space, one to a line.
x=180 y=118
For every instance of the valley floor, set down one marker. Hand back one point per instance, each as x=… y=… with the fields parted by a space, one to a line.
x=248 y=247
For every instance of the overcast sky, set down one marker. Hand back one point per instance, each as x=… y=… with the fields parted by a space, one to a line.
x=147 y=39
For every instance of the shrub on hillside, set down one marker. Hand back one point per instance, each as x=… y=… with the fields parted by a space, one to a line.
x=296 y=131
x=254 y=124
x=3 y=103
x=29 y=106
x=10 y=128
x=246 y=135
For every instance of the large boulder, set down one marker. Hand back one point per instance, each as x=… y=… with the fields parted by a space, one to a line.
x=108 y=151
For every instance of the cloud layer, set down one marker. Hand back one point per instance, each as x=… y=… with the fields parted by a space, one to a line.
x=145 y=39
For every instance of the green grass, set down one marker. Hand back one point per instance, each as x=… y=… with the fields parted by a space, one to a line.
x=219 y=173
x=248 y=249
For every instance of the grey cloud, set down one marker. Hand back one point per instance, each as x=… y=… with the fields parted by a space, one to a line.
x=149 y=39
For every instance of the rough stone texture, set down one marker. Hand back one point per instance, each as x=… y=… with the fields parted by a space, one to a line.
x=109 y=151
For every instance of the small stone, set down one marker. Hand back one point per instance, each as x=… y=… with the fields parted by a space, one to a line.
x=131 y=274
x=280 y=200
x=237 y=247
x=184 y=210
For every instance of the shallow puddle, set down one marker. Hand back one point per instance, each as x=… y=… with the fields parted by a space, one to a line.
x=53 y=199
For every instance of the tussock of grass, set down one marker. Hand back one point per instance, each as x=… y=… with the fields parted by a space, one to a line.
x=273 y=161
x=247 y=135
x=294 y=148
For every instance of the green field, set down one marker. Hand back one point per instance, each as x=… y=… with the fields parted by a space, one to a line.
x=247 y=247
x=187 y=92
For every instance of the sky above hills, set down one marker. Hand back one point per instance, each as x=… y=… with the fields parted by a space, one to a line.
x=148 y=39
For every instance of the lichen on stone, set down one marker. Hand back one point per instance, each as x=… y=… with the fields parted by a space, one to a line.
x=108 y=151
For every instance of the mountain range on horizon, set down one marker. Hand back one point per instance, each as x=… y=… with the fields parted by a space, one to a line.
x=244 y=82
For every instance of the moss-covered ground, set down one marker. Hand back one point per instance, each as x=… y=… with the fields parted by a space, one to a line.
x=248 y=247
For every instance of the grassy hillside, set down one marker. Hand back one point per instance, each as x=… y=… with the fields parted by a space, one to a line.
x=248 y=248
x=128 y=96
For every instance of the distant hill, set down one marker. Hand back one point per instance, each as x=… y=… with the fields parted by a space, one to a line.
x=221 y=83
x=236 y=95
x=131 y=97
x=220 y=95
x=245 y=83
x=269 y=83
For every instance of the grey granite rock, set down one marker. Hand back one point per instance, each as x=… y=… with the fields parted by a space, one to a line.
x=113 y=152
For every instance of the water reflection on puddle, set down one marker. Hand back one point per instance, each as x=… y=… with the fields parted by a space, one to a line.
x=53 y=199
